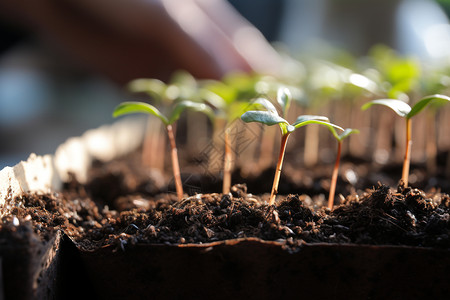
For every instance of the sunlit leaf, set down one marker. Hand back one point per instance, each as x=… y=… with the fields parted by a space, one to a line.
x=267 y=105
x=401 y=73
x=424 y=102
x=284 y=98
x=326 y=124
x=138 y=107
x=194 y=106
x=183 y=78
x=227 y=93
x=236 y=109
x=213 y=99
x=153 y=87
x=363 y=82
x=347 y=132
x=304 y=118
x=343 y=135
x=399 y=107
x=264 y=117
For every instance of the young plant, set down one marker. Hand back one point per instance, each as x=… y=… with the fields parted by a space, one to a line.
x=227 y=106
x=404 y=110
x=141 y=107
x=271 y=117
x=181 y=86
x=339 y=138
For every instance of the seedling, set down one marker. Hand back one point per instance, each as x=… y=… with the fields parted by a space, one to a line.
x=141 y=107
x=404 y=110
x=339 y=138
x=182 y=86
x=227 y=107
x=271 y=117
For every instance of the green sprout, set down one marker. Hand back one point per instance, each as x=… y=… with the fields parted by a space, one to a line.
x=404 y=110
x=181 y=86
x=141 y=107
x=339 y=137
x=270 y=117
x=227 y=108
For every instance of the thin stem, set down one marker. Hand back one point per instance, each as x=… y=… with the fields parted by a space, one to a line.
x=175 y=164
x=407 y=159
x=311 y=154
x=153 y=151
x=227 y=163
x=214 y=156
x=334 y=177
x=276 y=180
x=430 y=143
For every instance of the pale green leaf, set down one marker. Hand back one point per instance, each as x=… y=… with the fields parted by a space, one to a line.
x=284 y=98
x=264 y=117
x=132 y=107
x=153 y=87
x=340 y=137
x=237 y=108
x=399 y=107
x=267 y=105
x=329 y=125
x=424 y=102
x=347 y=132
x=227 y=93
x=190 y=105
x=304 y=118
x=213 y=99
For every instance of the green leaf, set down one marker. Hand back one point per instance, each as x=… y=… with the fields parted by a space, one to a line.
x=304 y=118
x=131 y=107
x=227 y=93
x=400 y=72
x=146 y=85
x=329 y=125
x=182 y=78
x=363 y=82
x=424 y=102
x=264 y=117
x=284 y=98
x=194 y=106
x=347 y=132
x=399 y=107
x=237 y=108
x=212 y=99
x=153 y=87
x=267 y=105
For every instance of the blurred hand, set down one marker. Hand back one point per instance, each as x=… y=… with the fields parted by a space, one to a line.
x=127 y=39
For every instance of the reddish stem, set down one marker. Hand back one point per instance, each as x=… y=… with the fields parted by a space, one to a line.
x=407 y=159
x=227 y=164
x=276 y=180
x=175 y=164
x=334 y=177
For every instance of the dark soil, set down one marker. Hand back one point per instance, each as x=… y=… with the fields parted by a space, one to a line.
x=108 y=222
x=121 y=206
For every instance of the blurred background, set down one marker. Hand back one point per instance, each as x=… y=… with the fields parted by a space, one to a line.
x=46 y=96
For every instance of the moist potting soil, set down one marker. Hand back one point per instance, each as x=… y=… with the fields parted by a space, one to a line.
x=121 y=210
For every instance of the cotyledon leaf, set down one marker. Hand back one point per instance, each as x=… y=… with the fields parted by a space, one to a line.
x=131 y=107
x=267 y=105
x=264 y=117
x=187 y=104
x=303 y=118
x=284 y=99
x=424 y=102
x=399 y=107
